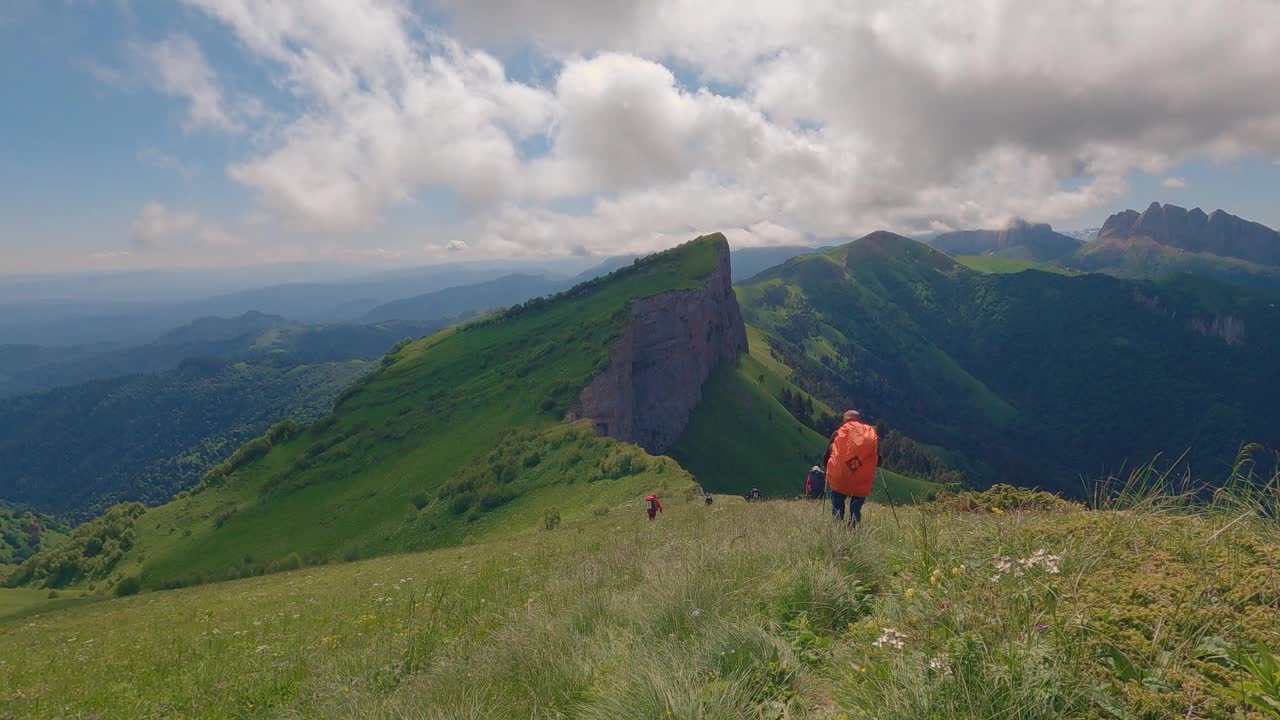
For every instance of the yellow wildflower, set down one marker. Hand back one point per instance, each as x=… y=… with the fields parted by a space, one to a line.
x=910 y=593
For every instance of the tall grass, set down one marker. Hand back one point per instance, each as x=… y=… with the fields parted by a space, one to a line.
x=763 y=610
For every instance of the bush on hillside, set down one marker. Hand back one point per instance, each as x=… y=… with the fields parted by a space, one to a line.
x=1005 y=498
x=91 y=552
x=129 y=585
x=250 y=451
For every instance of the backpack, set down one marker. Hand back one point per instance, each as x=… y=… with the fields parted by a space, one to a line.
x=650 y=504
x=851 y=469
x=815 y=484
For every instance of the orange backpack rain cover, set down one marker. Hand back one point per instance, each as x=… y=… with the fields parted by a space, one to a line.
x=852 y=467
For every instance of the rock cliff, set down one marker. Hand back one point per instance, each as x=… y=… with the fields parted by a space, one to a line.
x=656 y=370
x=1219 y=232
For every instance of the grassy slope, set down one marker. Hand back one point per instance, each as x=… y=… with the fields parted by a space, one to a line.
x=347 y=486
x=740 y=436
x=991 y=264
x=735 y=611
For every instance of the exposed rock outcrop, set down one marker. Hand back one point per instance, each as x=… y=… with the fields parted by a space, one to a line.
x=656 y=370
x=1218 y=233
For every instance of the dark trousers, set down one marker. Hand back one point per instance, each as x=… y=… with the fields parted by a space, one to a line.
x=855 y=507
x=653 y=514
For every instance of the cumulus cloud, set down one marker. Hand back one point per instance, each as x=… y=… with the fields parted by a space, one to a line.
x=1174 y=183
x=455 y=245
x=178 y=67
x=160 y=227
x=776 y=121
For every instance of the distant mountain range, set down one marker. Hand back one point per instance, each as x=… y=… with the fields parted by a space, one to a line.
x=1021 y=240
x=247 y=337
x=1162 y=241
x=1042 y=377
x=1217 y=233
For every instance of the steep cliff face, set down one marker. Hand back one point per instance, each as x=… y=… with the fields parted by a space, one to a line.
x=656 y=370
x=1219 y=232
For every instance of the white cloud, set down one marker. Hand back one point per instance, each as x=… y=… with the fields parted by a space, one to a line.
x=1174 y=183
x=827 y=118
x=152 y=156
x=178 y=68
x=455 y=245
x=160 y=227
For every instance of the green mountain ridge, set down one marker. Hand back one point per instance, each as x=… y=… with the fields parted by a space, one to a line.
x=423 y=453
x=1029 y=377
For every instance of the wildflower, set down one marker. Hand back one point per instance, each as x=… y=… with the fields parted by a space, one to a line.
x=937 y=663
x=936 y=578
x=1041 y=627
x=346 y=689
x=910 y=593
x=997 y=511
x=890 y=637
x=862 y=669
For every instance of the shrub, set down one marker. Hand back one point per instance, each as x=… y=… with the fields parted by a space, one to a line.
x=420 y=500
x=551 y=519
x=1004 y=498
x=128 y=585
x=91 y=552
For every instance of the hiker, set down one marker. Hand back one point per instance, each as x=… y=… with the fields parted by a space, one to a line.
x=652 y=506
x=851 y=461
x=754 y=496
x=815 y=483
x=706 y=499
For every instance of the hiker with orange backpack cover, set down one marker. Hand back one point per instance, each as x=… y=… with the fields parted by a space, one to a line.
x=851 y=461
x=652 y=506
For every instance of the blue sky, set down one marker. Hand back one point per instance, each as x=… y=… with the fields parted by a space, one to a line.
x=379 y=132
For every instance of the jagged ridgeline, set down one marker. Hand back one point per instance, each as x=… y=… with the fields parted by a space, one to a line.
x=471 y=432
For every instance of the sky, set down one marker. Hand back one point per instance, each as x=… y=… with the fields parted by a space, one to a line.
x=197 y=133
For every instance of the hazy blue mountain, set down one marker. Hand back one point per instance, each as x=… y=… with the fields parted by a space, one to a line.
x=1021 y=240
x=749 y=262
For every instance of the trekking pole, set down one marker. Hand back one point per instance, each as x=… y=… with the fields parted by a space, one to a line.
x=892 y=506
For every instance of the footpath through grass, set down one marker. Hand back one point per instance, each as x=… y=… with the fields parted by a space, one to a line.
x=958 y=610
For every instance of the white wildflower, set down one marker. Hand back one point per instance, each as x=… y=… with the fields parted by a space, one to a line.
x=890 y=637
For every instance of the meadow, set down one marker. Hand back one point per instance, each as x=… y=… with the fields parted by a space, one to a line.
x=1006 y=604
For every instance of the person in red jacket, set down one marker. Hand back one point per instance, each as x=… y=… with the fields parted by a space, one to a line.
x=652 y=506
x=851 y=461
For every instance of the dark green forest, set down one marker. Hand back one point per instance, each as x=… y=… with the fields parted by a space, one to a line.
x=80 y=449
x=1029 y=378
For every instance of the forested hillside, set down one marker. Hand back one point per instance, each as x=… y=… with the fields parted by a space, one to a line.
x=1030 y=378
x=82 y=448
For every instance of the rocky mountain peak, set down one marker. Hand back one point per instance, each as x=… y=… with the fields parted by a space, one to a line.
x=1218 y=233
x=672 y=343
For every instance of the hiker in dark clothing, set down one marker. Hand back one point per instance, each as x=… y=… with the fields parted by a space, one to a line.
x=815 y=483
x=754 y=495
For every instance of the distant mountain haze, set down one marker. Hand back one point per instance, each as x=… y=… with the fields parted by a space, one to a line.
x=1021 y=240
x=1218 y=233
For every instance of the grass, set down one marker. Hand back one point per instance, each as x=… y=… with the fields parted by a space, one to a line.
x=992 y=265
x=733 y=611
